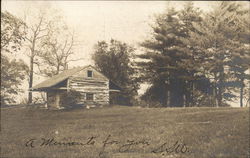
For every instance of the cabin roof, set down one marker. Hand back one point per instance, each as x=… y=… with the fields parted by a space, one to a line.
x=59 y=78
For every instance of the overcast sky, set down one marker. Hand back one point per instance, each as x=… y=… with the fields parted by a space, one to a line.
x=127 y=21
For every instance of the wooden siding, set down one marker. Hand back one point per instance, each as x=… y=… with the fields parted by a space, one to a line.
x=98 y=88
x=97 y=85
x=96 y=75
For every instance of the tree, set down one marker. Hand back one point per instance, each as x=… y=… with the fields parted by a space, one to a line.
x=12 y=71
x=218 y=39
x=12 y=33
x=163 y=56
x=166 y=53
x=114 y=61
x=196 y=83
x=239 y=63
x=57 y=50
x=49 y=44
x=37 y=30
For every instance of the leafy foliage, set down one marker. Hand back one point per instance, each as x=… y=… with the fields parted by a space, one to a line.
x=169 y=59
x=114 y=61
x=193 y=55
x=222 y=39
x=12 y=32
x=13 y=71
x=70 y=99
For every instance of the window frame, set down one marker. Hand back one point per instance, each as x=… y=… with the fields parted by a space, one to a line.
x=92 y=96
x=89 y=72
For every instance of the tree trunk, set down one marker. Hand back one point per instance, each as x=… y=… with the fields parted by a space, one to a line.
x=188 y=94
x=248 y=98
x=176 y=93
x=57 y=69
x=192 y=94
x=31 y=79
x=241 y=92
x=167 y=98
x=31 y=68
x=215 y=95
x=221 y=86
x=219 y=97
x=167 y=91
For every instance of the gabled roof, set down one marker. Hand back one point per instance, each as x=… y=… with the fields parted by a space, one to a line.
x=59 y=78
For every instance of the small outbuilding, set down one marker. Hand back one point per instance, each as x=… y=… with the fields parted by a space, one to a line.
x=94 y=88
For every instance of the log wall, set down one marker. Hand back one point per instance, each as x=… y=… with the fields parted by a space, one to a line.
x=97 y=85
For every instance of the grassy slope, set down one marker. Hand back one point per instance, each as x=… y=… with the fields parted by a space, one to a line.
x=208 y=132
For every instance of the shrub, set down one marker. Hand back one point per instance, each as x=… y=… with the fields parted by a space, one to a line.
x=70 y=99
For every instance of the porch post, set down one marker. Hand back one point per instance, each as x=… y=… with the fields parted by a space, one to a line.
x=57 y=101
x=46 y=104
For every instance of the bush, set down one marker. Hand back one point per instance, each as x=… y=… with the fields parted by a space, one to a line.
x=70 y=99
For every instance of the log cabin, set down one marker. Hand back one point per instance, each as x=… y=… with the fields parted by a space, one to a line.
x=94 y=88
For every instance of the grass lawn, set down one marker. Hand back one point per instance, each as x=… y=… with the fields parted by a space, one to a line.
x=125 y=132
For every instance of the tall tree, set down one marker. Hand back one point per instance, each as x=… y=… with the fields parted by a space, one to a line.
x=216 y=38
x=114 y=61
x=49 y=44
x=37 y=29
x=238 y=28
x=195 y=81
x=165 y=54
x=12 y=71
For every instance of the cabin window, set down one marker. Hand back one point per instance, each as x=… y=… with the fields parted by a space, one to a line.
x=90 y=73
x=89 y=96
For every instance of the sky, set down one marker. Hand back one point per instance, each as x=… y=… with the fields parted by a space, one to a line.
x=127 y=21
x=93 y=21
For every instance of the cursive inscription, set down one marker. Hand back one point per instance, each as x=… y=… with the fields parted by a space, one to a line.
x=109 y=143
x=52 y=142
x=176 y=148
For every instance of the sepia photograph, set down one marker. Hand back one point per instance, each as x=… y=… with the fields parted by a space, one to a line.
x=125 y=79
